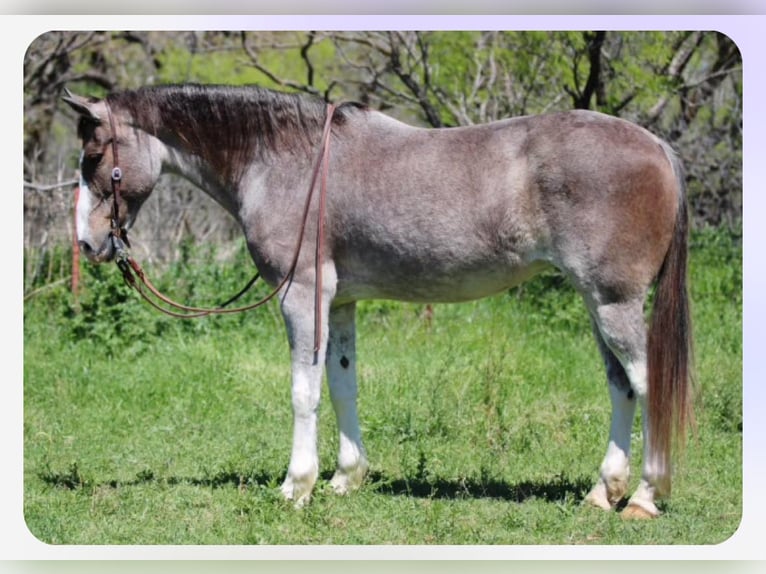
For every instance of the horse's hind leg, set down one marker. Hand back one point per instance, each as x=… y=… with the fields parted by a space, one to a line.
x=615 y=470
x=621 y=332
x=341 y=377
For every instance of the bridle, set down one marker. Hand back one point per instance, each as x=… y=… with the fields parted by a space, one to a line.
x=120 y=233
x=128 y=266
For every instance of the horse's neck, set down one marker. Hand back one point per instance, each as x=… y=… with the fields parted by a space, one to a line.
x=226 y=177
x=197 y=171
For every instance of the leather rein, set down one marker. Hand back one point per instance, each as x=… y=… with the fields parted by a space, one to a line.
x=136 y=278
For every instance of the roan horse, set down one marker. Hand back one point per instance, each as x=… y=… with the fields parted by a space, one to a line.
x=426 y=215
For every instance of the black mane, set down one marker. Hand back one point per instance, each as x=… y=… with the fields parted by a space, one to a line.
x=228 y=125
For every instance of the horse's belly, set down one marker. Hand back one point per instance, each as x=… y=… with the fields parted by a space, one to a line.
x=434 y=286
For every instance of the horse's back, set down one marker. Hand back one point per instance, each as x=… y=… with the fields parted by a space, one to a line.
x=430 y=214
x=455 y=213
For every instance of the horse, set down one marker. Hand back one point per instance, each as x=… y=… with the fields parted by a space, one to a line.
x=420 y=215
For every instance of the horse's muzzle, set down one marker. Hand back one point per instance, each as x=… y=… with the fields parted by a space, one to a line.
x=112 y=247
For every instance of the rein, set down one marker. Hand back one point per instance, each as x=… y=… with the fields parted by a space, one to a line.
x=135 y=276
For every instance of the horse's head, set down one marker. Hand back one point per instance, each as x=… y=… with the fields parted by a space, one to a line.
x=102 y=215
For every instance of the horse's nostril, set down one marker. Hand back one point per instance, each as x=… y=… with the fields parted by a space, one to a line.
x=85 y=247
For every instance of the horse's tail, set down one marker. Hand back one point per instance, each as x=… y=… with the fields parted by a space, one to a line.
x=669 y=347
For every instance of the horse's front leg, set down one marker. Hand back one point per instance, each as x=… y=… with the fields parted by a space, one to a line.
x=341 y=377
x=298 y=313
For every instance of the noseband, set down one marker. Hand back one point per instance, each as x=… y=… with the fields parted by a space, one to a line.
x=128 y=266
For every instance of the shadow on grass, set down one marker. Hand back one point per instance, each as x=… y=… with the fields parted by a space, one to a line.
x=556 y=489
x=74 y=479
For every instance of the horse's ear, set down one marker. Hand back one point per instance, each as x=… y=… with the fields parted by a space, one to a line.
x=86 y=107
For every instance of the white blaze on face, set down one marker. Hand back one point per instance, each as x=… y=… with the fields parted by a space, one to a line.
x=84 y=207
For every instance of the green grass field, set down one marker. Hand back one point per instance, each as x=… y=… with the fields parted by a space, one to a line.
x=485 y=426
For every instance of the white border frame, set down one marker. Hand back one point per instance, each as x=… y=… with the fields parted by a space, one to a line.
x=747 y=32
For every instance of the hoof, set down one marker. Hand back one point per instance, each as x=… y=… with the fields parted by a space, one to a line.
x=299 y=501
x=297 y=491
x=345 y=481
x=597 y=500
x=604 y=496
x=636 y=512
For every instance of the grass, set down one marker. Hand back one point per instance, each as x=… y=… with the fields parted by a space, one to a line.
x=485 y=426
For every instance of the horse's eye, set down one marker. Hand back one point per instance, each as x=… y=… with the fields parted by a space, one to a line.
x=89 y=164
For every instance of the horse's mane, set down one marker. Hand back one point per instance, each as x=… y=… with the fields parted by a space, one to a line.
x=229 y=126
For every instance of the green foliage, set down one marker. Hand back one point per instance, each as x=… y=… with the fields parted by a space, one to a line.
x=551 y=296
x=112 y=316
x=717 y=274
x=178 y=65
x=43 y=267
x=636 y=70
x=716 y=287
x=104 y=314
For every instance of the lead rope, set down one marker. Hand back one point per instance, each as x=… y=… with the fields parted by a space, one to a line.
x=324 y=161
x=128 y=265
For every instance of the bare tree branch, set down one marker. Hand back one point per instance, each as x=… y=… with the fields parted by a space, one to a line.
x=301 y=87
x=51 y=186
x=675 y=68
x=305 y=55
x=420 y=92
x=47 y=287
x=593 y=85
